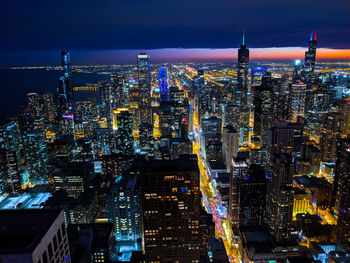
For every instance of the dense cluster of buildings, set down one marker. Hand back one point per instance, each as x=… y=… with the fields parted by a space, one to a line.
x=181 y=163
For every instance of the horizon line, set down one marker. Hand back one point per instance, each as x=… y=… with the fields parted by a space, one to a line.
x=166 y=55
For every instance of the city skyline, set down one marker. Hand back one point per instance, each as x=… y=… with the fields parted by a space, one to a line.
x=175 y=131
x=167 y=55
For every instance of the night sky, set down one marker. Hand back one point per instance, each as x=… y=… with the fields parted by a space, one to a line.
x=48 y=25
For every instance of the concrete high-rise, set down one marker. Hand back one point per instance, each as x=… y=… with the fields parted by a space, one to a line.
x=230 y=140
x=34 y=235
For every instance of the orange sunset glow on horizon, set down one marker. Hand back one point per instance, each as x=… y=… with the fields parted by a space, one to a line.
x=229 y=54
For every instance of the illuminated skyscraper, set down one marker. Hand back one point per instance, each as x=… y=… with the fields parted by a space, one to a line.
x=85 y=110
x=230 y=139
x=343 y=191
x=49 y=108
x=211 y=128
x=281 y=139
x=297 y=100
x=239 y=167
x=146 y=140
x=9 y=173
x=252 y=190
x=331 y=133
x=346 y=110
x=257 y=74
x=144 y=78
x=65 y=94
x=124 y=207
x=171 y=211
x=36 y=103
x=263 y=112
x=281 y=101
x=65 y=97
x=242 y=78
x=123 y=127
x=36 y=156
x=280 y=197
x=163 y=84
x=65 y=83
x=310 y=55
x=65 y=62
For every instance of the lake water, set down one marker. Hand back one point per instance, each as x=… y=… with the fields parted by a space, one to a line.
x=15 y=84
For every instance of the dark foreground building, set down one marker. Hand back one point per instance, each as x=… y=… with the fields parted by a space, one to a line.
x=33 y=236
x=171 y=210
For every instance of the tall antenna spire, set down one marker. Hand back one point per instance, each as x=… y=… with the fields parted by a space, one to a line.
x=311 y=36
x=243 y=42
x=315 y=38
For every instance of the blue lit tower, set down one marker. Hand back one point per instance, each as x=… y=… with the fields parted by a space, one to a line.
x=65 y=61
x=310 y=55
x=65 y=90
x=242 y=79
x=65 y=97
x=163 y=84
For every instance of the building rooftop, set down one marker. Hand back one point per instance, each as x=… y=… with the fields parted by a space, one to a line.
x=311 y=182
x=170 y=165
x=217 y=165
x=257 y=239
x=22 y=230
x=24 y=201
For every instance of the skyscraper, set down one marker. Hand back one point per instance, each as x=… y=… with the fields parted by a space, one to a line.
x=263 y=113
x=252 y=190
x=65 y=62
x=343 y=192
x=144 y=78
x=65 y=84
x=280 y=197
x=123 y=127
x=65 y=97
x=36 y=103
x=124 y=207
x=297 y=100
x=242 y=78
x=163 y=84
x=281 y=139
x=230 y=139
x=346 y=111
x=239 y=170
x=331 y=133
x=310 y=55
x=9 y=171
x=171 y=211
x=146 y=140
x=49 y=108
x=36 y=156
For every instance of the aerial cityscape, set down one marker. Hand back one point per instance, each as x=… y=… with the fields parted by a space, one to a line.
x=209 y=154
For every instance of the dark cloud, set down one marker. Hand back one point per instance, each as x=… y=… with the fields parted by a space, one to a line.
x=136 y=24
